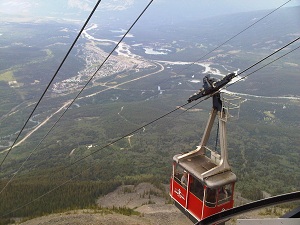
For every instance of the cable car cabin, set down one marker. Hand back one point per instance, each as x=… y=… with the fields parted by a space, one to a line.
x=202 y=183
x=199 y=198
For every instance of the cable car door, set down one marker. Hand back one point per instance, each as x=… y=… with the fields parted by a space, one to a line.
x=179 y=185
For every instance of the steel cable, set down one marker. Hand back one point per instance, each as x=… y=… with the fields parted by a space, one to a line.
x=52 y=79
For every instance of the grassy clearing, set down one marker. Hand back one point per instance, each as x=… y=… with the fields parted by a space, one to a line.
x=7 y=76
x=269 y=114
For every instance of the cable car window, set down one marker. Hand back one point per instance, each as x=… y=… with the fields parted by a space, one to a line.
x=211 y=195
x=225 y=194
x=180 y=176
x=196 y=187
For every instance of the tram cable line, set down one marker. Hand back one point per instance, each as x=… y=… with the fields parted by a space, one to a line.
x=179 y=107
x=202 y=182
x=28 y=157
x=111 y=143
x=234 y=36
x=107 y=59
x=52 y=79
x=255 y=64
x=71 y=102
x=198 y=102
x=159 y=117
x=263 y=59
x=258 y=62
x=228 y=85
x=264 y=66
x=220 y=91
x=238 y=80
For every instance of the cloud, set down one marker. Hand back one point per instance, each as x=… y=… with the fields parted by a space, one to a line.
x=16 y=7
x=85 y=5
x=116 y=5
x=107 y=5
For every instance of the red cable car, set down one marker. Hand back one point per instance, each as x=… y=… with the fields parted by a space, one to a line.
x=202 y=182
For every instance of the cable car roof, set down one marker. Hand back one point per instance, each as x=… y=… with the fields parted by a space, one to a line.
x=198 y=164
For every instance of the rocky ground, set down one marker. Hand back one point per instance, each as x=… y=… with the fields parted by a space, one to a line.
x=150 y=202
x=146 y=199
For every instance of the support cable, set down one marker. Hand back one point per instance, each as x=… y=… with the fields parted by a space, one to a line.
x=55 y=188
x=58 y=69
x=263 y=59
x=207 y=97
x=255 y=64
x=151 y=121
x=197 y=102
x=242 y=31
x=77 y=97
x=107 y=59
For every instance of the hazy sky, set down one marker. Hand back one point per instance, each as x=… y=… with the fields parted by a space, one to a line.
x=181 y=8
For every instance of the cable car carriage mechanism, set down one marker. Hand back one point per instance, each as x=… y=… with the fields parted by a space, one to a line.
x=202 y=182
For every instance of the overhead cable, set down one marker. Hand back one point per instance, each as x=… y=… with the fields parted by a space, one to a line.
x=158 y=117
x=241 y=78
x=48 y=86
x=263 y=59
x=180 y=107
x=113 y=51
x=234 y=36
x=77 y=96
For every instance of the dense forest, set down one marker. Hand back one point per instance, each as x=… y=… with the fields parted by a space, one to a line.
x=38 y=196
